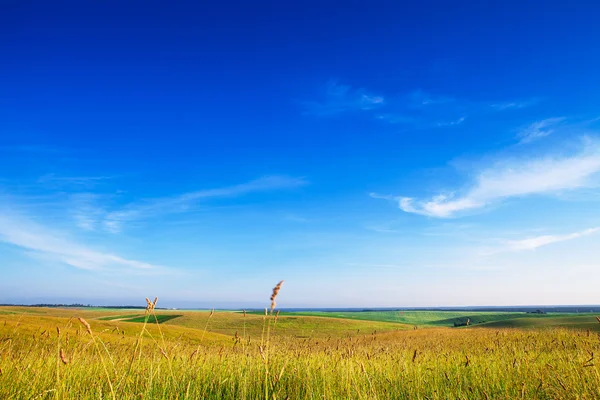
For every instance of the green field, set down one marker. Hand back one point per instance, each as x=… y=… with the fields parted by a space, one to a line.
x=46 y=353
x=571 y=321
x=419 y=318
x=158 y=318
x=453 y=318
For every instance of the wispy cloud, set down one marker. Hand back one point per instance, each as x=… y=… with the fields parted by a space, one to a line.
x=40 y=241
x=339 y=98
x=534 y=242
x=416 y=109
x=382 y=196
x=388 y=226
x=86 y=181
x=515 y=104
x=513 y=178
x=451 y=123
x=86 y=211
x=381 y=229
x=539 y=129
x=422 y=110
x=423 y=122
x=113 y=221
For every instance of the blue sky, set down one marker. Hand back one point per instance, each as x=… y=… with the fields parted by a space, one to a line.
x=370 y=154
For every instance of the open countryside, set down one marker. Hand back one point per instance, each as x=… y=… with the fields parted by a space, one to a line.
x=299 y=200
x=174 y=354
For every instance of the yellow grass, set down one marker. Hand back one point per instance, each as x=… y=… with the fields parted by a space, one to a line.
x=186 y=362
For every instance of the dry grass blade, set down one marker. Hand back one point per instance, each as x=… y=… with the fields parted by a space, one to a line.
x=164 y=353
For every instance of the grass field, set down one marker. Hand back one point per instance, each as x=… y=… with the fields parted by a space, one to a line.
x=582 y=322
x=47 y=353
x=419 y=318
x=119 y=317
x=443 y=318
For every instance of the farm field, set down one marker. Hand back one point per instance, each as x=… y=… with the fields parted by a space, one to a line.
x=48 y=353
x=459 y=318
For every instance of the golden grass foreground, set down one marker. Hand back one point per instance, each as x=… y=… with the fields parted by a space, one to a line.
x=66 y=356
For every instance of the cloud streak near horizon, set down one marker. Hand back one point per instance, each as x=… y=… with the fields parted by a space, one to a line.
x=23 y=230
x=532 y=243
x=54 y=245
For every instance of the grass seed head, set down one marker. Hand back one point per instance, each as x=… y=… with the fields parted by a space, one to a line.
x=149 y=305
x=63 y=357
x=276 y=290
x=85 y=323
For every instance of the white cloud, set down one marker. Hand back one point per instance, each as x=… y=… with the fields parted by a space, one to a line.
x=514 y=178
x=113 y=221
x=28 y=235
x=539 y=129
x=381 y=196
x=533 y=243
x=440 y=206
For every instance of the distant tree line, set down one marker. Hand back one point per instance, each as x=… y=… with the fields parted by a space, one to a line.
x=75 y=305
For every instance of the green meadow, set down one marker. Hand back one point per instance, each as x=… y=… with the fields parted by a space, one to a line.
x=460 y=318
